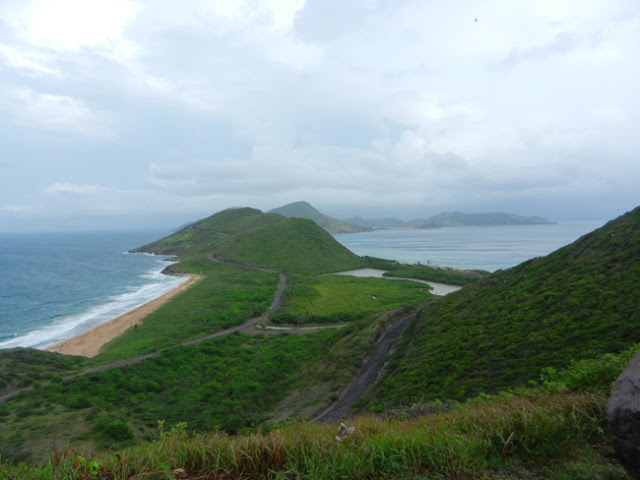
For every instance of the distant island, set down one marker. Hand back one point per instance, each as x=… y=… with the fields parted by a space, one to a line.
x=358 y=224
x=459 y=219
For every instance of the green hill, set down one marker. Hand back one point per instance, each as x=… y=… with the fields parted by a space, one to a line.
x=330 y=224
x=293 y=244
x=246 y=235
x=165 y=416
x=578 y=302
x=209 y=234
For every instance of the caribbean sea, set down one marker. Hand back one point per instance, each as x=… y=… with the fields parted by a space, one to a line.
x=55 y=286
x=483 y=247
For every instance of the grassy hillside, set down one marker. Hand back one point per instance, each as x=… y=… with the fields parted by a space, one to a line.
x=207 y=235
x=330 y=224
x=292 y=244
x=21 y=367
x=576 y=303
x=248 y=236
x=232 y=383
x=550 y=432
x=225 y=296
x=517 y=331
x=335 y=298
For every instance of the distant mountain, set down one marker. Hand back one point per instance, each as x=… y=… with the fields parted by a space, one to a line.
x=459 y=219
x=330 y=224
x=576 y=303
x=375 y=222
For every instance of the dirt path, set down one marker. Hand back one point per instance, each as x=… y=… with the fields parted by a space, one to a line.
x=364 y=380
x=247 y=325
x=369 y=374
x=252 y=321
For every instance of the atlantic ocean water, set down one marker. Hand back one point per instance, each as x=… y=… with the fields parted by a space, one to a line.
x=481 y=247
x=55 y=286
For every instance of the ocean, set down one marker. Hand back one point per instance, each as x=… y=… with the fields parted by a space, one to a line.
x=55 y=286
x=484 y=247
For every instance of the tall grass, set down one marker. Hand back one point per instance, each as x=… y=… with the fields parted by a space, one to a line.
x=513 y=435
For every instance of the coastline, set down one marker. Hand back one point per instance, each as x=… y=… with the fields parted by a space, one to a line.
x=89 y=343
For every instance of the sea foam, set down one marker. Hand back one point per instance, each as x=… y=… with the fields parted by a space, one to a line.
x=63 y=328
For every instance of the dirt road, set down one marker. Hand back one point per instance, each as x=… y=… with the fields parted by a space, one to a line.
x=368 y=375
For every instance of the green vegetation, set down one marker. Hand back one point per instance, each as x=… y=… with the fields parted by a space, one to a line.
x=230 y=383
x=513 y=370
x=22 y=367
x=206 y=236
x=576 y=303
x=450 y=276
x=225 y=296
x=547 y=436
x=336 y=298
x=247 y=236
x=227 y=383
x=293 y=244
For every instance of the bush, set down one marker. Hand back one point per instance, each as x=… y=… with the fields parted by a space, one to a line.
x=116 y=431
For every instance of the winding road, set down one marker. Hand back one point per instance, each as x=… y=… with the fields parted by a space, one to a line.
x=363 y=381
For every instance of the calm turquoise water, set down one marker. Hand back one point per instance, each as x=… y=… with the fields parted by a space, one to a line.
x=55 y=286
x=487 y=248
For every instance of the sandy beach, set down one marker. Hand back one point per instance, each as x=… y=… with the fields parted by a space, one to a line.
x=88 y=344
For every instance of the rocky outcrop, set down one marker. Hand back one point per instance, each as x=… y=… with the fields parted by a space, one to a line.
x=623 y=414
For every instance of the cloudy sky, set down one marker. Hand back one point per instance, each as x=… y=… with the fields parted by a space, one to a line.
x=153 y=113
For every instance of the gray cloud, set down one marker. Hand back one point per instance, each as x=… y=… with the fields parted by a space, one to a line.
x=352 y=106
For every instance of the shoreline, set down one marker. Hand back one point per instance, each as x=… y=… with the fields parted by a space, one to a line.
x=89 y=343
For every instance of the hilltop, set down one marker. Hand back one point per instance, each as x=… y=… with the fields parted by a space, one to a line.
x=501 y=332
x=330 y=224
x=248 y=236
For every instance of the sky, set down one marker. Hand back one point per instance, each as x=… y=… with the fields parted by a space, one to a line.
x=118 y=114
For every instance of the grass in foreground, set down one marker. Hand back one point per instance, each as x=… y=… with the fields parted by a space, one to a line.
x=556 y=430
x=232 y=383
x=555 y=436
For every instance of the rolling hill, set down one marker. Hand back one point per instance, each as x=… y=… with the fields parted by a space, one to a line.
x=246 y=235
x=576 y=303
